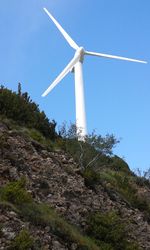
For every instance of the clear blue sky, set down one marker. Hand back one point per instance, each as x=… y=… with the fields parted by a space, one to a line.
x=33 y=52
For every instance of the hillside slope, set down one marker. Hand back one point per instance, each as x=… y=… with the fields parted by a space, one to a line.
x=32 y=176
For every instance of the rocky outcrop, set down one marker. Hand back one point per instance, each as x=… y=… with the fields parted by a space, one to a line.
x=54 y=178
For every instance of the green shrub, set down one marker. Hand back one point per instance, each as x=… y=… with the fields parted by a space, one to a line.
x=119 y=164
x=126 y=186
x=141 y=203
x=15 y=192
x=141 y=181
x=109 y=230
x=23 y=241
x=90 y=152
x=20 y=107
x=91 y=177
x=37 y=136
x=120 y=182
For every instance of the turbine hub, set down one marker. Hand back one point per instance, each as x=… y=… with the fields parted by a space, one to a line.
x=81 y=52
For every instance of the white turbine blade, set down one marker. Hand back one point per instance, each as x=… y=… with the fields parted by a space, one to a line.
x=62 y=74
x=113 y=57
x=64 y=33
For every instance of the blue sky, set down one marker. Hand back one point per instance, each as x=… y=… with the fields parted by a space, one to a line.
x=33 y=52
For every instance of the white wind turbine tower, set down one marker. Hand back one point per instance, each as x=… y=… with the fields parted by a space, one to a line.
x=75 y=65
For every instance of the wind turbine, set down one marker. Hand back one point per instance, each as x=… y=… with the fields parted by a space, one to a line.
x=75 y=65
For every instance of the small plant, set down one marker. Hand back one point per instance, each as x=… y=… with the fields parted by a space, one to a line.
x=15 y=192
x=91 y=177
x=23 y=241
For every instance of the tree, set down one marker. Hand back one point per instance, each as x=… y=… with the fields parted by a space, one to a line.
x=19 y=89
x=89 y=152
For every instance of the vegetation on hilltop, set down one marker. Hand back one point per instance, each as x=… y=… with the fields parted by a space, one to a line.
x=94 y=151
x=20 y=107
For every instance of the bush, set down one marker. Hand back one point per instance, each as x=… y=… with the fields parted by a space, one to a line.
x=109 y=230
x=15 y=192
x=119 y=164
x=89 y=152
x=126 y=186
x=142 y=182
x=20 y=107
x=23 y=241
x=91 y=177
x=37 y=136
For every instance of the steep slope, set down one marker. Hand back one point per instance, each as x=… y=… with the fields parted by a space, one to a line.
x=53 y=178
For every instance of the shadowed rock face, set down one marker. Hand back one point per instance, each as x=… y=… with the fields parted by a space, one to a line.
x=53 y=177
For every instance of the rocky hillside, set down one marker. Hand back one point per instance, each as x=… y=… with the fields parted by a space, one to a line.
x=47 y=203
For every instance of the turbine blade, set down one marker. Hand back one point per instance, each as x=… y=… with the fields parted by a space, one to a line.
x=113 y=57
x=64 y=33
x=62 y=74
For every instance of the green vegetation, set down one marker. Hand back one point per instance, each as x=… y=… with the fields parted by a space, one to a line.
x=118 y=164
x=97 y=164
x=15 y=193
x=109 y=231
x=37 y=136
x=126 y=186
x=20 y=107
x=103 y=173
x=118 y=182
x=91 y=177
x=26 y=133
x=106 y=231
x=23 y=241
x=143 y=178
x=94 y=151
x=43 y=215
x=40 y=215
